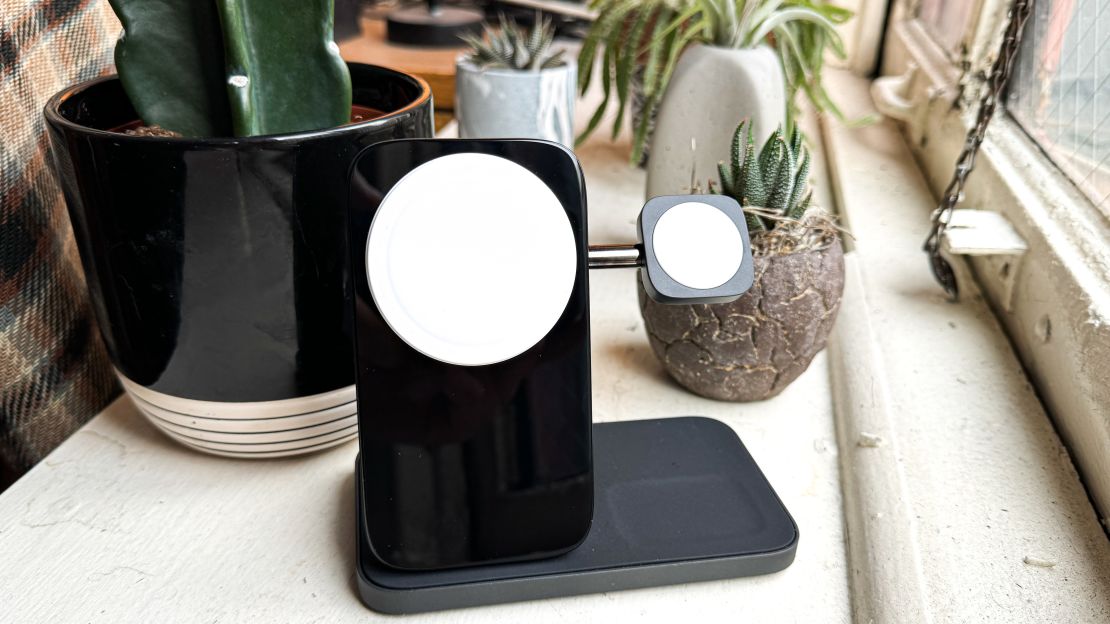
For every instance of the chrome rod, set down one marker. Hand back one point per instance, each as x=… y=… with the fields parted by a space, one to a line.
x=616 y=256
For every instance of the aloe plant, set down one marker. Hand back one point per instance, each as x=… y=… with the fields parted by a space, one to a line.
x=205 y=68
x=773 y=181
x=653 y=34
x=513 y=47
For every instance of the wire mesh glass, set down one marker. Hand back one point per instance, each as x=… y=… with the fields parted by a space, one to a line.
x=1060 y=90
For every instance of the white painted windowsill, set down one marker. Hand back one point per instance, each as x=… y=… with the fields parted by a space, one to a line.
x=119 y=524
x=961 y=503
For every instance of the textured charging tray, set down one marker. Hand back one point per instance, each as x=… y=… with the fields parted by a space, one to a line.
x=677 y=500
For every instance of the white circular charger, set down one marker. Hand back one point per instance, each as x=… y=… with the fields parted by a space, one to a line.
x=471 y=259
x=697 y=245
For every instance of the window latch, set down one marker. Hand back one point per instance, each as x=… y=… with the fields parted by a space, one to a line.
x=981 y=233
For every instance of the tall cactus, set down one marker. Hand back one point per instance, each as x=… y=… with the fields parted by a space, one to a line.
x=206 y=68
x=284 y=70
x=170 y=60
x=775 y=179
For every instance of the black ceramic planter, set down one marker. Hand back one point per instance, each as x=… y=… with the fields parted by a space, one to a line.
x=217 y=266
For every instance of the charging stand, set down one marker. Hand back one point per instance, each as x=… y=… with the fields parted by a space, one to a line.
x=482 y=478
x=677 y=500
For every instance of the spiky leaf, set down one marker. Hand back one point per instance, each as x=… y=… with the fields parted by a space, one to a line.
x=770 y=179
x=510 y=46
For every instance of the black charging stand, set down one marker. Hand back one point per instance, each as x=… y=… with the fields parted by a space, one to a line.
x=483 y=480
x=677 y=500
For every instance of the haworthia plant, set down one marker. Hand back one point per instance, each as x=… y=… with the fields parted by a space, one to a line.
x=513 y=47
x=774 y=180
x=206 y=68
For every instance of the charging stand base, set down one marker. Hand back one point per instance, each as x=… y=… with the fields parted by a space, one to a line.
x=676 y=500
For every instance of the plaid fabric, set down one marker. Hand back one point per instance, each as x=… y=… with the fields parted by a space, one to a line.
x=54 y=374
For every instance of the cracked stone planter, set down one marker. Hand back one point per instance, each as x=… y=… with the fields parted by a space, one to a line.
x=752 y=348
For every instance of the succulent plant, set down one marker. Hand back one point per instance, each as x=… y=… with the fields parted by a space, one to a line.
x=204 y=68
x=774 y=181
x=513 y=47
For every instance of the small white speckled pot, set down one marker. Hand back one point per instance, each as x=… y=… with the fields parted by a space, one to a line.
x=504 y=103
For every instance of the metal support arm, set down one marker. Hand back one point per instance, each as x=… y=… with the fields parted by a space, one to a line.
x=616 y=256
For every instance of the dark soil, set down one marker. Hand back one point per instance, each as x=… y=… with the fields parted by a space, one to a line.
x=151 y=131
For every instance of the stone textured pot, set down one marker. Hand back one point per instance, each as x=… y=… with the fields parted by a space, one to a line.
x=217 y=267
x=752 y=348
x=711 y=91
x=510 y=104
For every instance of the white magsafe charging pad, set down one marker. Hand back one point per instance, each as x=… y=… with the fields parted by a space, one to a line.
x=698 y=245
x=471 y=259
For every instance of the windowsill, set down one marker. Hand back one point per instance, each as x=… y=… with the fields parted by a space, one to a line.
x=957 y=489
x=147 y=530
x=1054 y=300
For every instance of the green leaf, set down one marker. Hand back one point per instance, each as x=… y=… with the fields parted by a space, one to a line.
x=656 y=51
x=801 y=182
x=759 y=15
x=796 y=143
x=606 y=29
x=659 y=51
x=770 y=156
x=538 y=35
x=284 y=71
x=674 y=50
x=171 y=64
x=753 y=192
x=736 y=154
x=755 y=224
x=554 y=60
x=606 y=62
x=727 y=180
x=783 y=187
x=625 y=61
x=788 y=15
x=799 y=210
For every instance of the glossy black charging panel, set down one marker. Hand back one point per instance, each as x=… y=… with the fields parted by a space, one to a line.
x=469 y=457
x=679 y=500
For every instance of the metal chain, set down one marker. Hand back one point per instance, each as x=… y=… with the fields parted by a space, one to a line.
x=1001 y=69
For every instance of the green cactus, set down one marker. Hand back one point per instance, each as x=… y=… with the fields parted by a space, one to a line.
x=774 y=180
x=513 y=47
x=205 y=68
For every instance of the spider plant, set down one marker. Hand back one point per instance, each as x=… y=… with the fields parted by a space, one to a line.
x=653 y=33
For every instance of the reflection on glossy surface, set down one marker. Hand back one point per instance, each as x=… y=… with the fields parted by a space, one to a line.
x=472 y=464
x=217 y=267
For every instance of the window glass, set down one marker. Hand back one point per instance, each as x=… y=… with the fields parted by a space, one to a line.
x=1060 y=90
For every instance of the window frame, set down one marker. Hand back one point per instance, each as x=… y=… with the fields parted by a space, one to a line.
x=1054 y=300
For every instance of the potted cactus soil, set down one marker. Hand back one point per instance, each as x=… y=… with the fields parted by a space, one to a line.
x=752 y=348
x=207 y=188
x=511 y=85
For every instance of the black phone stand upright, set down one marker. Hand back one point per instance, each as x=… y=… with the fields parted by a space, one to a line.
x=485 y=482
